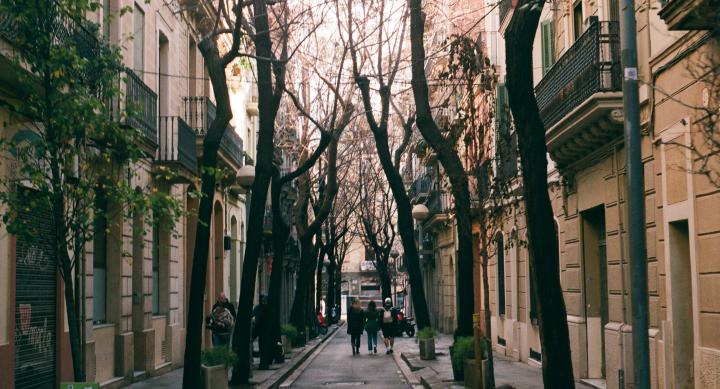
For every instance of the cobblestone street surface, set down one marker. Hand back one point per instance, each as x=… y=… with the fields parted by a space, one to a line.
x=336 y=367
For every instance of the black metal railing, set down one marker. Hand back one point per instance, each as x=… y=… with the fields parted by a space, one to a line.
x=435 y=202
x=504 y=7
x=199 y=113
x=64 y=30
x=421 y=186
x=139 y=108
x=591 y=65
x=177 y=142
x=232 y=145
x=143 y=101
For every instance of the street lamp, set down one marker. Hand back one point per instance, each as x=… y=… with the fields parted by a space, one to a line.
x=420 y=212
x=394 y=254
x=246 y=176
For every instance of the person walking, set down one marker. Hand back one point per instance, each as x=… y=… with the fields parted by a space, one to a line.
x=372 y=326
x=389 y=325
x=221 y=320
x=356 y=324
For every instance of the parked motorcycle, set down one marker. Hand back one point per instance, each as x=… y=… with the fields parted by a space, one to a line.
x=406 y=324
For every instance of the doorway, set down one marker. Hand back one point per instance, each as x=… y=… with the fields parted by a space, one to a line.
x=681 y=296
x=596 y=290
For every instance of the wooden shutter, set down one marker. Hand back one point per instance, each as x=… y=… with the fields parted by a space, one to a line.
x=548 y=45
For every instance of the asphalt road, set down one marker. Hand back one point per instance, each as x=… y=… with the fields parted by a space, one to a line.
x=336 y=367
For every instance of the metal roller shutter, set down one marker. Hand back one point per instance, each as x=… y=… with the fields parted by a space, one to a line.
x=35 y=303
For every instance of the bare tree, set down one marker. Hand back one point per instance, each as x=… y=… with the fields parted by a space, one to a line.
x=450 y=159
x=542 y=243
x=372 y=39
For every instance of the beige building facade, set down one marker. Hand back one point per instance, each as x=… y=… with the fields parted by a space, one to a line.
x=581 y=106
x=136 y=267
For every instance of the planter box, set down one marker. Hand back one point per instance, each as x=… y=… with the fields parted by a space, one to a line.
x=215 y=377
x=470 y=372
x=427 y=348
x=286 y=344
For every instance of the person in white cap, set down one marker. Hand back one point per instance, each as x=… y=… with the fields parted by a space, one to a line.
x=389 y=325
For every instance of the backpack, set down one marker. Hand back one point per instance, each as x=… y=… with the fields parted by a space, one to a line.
x=387 y=317
x=222 y=319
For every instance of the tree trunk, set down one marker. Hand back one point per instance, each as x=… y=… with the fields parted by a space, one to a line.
x=299 y=307
x=270 y=328
x=211 y=144
x=384 y=275
x=454 y=169
x=319 y=282
x=331 y=273
x=268 y=104
x=542 y=243
x=486 y=300
x=405 y=228
x=73 y=322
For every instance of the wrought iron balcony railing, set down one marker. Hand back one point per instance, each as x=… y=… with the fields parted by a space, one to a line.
x=420 y=187
x=591 y=65
x=199 y=113
x=139 y=108
x=504 y=7
x=65 y=32
x=177 y=143
x=435 y=202
x=232 y=145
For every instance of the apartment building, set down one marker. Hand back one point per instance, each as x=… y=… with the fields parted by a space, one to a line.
x=579 y=91
x=135 y=284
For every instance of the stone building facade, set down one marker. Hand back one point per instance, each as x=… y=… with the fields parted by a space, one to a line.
x=581 y=108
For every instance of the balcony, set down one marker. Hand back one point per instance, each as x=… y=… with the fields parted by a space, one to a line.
x=232 y=146
x=438 y=206
x=177 y=147
x=580 y=97
x=690 y=14
x=420 y=189
x=199 y=113
x=139 y=107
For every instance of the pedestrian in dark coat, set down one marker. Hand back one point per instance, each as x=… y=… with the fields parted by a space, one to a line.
x=372 y=326
x=356 y=325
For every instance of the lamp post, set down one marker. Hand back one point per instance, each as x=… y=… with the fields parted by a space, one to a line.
x=394 y=254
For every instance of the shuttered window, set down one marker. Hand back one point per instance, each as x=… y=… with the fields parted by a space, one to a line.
x=500 y=255
x=548 y=45
x=100 y=226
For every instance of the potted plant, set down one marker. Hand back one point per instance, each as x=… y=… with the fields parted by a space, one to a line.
x=426 y=340
x=289 y=335
x=215 y=363
x=462 y=349
x=470 y=368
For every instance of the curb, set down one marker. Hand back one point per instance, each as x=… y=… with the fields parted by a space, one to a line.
x=273 y=383
x=293 y=374
x=410 y=377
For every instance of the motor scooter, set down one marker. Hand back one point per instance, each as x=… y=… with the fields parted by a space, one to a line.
x=406 y=324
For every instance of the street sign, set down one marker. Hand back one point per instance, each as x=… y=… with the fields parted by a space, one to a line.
x=79 y=385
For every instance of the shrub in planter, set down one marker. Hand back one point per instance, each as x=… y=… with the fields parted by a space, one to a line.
x=215 y=362
x=426 y=340
x=289 y=337
x=464 y=348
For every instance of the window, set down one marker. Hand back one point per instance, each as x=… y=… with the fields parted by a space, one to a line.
x=578 y=20
x=138 y=39
x=156 y=263
x=548 y=45
x=500 y=250
x=163 y=69
x=100 y=259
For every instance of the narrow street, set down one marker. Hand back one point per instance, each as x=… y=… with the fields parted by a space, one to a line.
x=335 y=366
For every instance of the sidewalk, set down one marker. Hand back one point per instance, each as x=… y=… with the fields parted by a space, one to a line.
x=261 y=379
x=438 y=373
